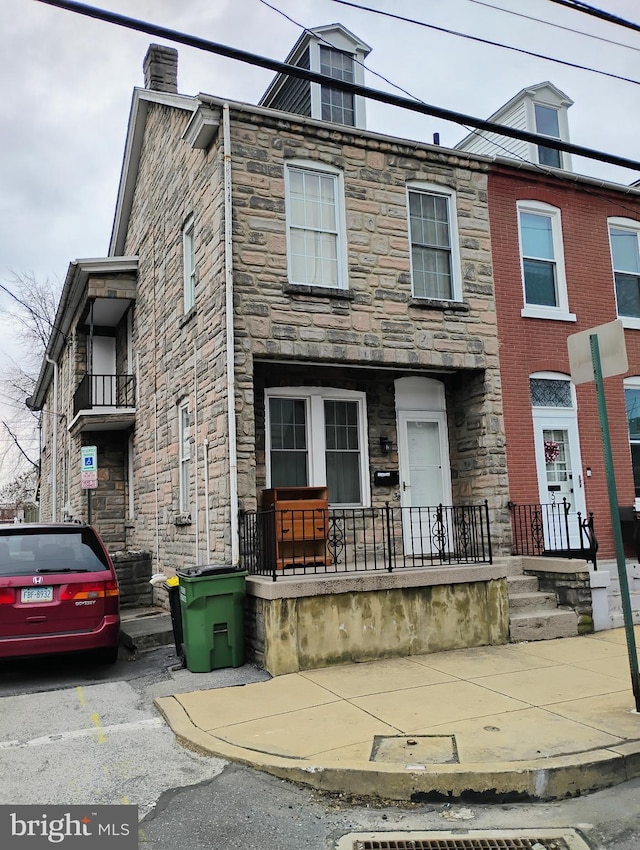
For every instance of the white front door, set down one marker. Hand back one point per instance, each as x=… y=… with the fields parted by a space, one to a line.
x=559 y=475
x=425 y=479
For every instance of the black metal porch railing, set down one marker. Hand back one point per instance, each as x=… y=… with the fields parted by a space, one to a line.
x=298 y=542
x=552 y=530
x=104 y=391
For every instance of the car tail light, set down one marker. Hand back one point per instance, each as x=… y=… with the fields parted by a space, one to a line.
x=89 y=590
x=7 y=596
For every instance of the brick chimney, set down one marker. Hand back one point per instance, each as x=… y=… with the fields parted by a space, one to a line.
x=161 y=68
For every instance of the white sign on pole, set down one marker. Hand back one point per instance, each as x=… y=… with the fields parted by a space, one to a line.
x=613 y=352
x=89 y=467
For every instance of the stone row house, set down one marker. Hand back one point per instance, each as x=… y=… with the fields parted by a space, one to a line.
x=295 y=308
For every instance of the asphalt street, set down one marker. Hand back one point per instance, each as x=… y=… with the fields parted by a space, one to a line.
x=73 y=733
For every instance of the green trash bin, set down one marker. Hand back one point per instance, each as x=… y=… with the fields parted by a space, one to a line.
x=212 y=605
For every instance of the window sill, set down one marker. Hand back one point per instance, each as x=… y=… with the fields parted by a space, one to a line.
x=630 y=322
x=188 y=316
x=320 y=291
x=530 y=312
x=439 y=304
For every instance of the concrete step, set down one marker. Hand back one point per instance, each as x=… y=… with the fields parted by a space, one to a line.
x=534 y=601
x=543 y=625
x=145 y=628
x=512 y=565
x=617 y=618
x=521 y=584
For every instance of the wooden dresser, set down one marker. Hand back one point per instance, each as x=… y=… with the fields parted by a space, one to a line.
x=299 y=526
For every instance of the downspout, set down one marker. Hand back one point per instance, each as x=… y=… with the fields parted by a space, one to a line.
x=195 y=446
x=231 y=381
x=54 y=448
x=205 y=453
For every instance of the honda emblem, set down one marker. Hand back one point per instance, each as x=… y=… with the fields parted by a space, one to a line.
x=38 y=579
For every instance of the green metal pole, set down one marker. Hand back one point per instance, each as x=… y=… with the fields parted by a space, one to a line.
x=615 y=518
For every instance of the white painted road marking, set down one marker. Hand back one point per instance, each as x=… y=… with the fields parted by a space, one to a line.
x=151 y=722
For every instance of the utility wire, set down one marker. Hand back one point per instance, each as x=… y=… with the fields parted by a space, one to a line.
x=578 y=6
x=486 y=41
x=555 y=26
x=342 y=85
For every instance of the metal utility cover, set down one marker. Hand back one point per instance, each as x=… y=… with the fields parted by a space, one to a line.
x=414 y=750
x=474 y=839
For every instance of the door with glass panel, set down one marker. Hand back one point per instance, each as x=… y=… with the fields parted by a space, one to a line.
x=558 y=460
x=425 y=480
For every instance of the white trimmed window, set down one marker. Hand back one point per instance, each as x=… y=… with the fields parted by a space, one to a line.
x=542 y=262
x=317 y=437
x=189 y=265
x=632 y=401
x=435 y=264
x=624 y=236
x=337 y=106
x=315 y=225
x=184 y=441
x=548 y=124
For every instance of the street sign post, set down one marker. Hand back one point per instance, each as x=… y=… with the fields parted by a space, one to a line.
x=588 y=363
x=89 y=473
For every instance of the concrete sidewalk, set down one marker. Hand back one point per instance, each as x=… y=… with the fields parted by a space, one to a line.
x=541 y=720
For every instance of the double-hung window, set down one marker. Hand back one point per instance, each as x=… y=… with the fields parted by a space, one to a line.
x=433 y=235
x=632 y=400
x=315 y=226
x=189 y=265
x=184 y=441
x=542 y=261
x=317 y=437
x=625 y=255
x=337 y=106
x=547 y=124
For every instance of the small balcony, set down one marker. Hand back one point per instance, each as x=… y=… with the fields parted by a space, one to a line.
x=104 y=402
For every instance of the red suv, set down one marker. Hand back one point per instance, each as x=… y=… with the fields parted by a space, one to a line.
x=58 y=592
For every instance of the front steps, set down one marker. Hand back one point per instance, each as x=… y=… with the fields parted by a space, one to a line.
x=534 y=614
x=614 y=618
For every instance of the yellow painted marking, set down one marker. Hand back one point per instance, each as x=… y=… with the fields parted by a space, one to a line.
x=95 y=717
x=81 y=696
x=125 y=801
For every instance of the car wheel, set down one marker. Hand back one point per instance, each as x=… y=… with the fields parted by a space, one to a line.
x=107 y=655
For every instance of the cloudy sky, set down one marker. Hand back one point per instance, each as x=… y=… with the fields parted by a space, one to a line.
x=68 y=81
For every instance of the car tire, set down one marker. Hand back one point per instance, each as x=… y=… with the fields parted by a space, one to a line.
x=107 y=655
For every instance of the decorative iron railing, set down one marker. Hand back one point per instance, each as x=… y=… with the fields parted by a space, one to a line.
x=552 y=530
x=279 y=543
x=104 y=391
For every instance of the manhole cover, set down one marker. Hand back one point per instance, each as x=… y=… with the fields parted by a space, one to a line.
x=525 y=839
x=415 y=750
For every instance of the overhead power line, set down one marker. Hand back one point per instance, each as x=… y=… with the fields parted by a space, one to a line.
x=578 y=6
x=342 y=85
x=487 y=41
x=554 y=25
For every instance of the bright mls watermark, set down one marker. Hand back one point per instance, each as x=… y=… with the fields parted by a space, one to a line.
x=69 y=827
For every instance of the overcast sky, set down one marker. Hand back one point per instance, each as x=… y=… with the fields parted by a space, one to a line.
x=68 y=81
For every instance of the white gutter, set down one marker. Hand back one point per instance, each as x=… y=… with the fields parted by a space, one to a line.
x=54 y=448
x=231 y=380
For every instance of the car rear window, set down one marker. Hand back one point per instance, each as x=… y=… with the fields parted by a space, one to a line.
x=26 y=551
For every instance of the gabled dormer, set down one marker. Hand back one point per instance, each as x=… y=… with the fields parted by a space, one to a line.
x=540 y=109
x=331 y=50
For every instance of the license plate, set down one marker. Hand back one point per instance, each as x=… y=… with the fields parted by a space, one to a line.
x=37 y=594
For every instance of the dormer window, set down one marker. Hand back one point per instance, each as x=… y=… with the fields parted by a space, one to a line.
x=337 y=106
x=547 y=124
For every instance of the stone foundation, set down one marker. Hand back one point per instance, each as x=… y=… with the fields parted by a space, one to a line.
x=134 y=572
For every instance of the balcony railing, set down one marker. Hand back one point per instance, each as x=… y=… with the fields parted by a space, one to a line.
x=552 y=530
x=280 y=543
x=104 y=391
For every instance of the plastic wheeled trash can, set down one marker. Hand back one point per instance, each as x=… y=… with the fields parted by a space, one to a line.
x=212 y=606
x=173 y=591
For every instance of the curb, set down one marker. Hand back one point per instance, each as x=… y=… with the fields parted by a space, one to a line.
x=537 y=779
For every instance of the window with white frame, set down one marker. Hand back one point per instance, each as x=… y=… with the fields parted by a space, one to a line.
x=315 y=226
x=632 y=401
x=542 y=261
x=317 y=437
x=184 y=440
x=189 y=265
x=547 y=124
x=337 y=106
x=625 y=256
x=434 y=243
